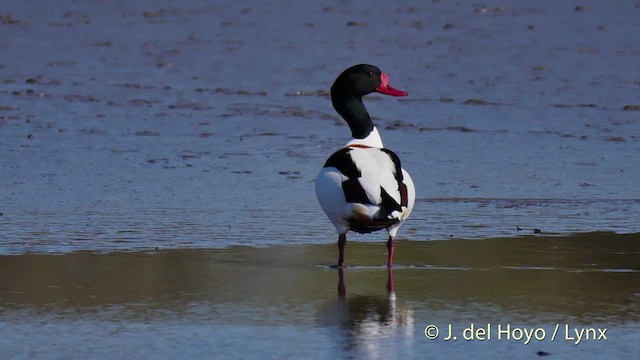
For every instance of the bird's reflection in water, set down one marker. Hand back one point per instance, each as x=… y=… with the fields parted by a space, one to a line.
x=373 y=324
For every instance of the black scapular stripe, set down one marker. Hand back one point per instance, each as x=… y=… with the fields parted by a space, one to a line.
x=353 y=192
x=342 y=161
x=388 y=204
x=402 y=188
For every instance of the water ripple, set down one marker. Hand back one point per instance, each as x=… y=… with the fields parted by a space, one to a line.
x=433 y=219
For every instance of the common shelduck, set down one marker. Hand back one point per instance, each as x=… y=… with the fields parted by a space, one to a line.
x=363 y=187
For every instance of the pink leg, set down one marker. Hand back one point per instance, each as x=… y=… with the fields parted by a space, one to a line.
x=342 y=290
x=390 y=284
x=342 y=241
x=391 y=247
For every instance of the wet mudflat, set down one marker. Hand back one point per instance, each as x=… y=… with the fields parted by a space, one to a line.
x=157 y=164
x=255 y=302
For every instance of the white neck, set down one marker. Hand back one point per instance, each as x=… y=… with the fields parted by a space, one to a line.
x=372 y=140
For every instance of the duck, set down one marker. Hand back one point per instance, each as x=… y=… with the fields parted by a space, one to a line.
x=362 y=187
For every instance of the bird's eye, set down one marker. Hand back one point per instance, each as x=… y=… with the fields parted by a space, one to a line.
x=370 y=73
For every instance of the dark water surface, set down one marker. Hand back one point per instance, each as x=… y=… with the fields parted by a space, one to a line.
x=157 y=161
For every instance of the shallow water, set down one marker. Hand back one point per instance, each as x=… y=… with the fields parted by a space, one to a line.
x=134 y=126
x=247 y=302
x=196 y=131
